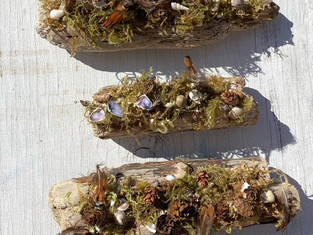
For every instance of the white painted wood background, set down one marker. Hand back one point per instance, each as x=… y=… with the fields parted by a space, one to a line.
x=44 y=139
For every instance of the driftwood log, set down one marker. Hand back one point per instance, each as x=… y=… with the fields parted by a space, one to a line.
x=182 y=124
x=211 y=32
x=66 y=217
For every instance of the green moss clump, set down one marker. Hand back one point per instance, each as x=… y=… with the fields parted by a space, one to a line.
x=203 y=114
x=186 y=194
x=85 y=20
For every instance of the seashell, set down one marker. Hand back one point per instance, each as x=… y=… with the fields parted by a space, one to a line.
x=155 y=183
x=115 y=109
x=170 y=177
x=244 y=186
x=170 y=105
x=216 y=5
x=56 y=14
x=112 y=203
x=123 y=207
x=236 y=3
x=178 y=7
x=97 y=115
x=267 y=197
x=120 y=217
x=181 y=101
x=236 y=112
x=98 y=3
x=144 y=102
x=196 y=96
x=151 y=228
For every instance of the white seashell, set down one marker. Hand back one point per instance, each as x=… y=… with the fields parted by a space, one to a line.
x=169 y=105
x=155 y=183
x=178 y=7
x=151 y=228
x=196 y=96
x=216 y=5
x=181 y=101
x=236 y=3
x=112 y=203
x=235 y=112
x=123 y=207
x=170 y=177
x=97 y=115
x=56 y=14
x=267 y=197
x=120 y=217
x=244 y=186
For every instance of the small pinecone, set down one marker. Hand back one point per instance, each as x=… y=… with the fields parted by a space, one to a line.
x=165 y=224
x=230 y=97
x=178 y=210
x=203 y=179
x=222 y=212
x=251 y=193
x=94 y=216
x=151 y=196
x=243 y=207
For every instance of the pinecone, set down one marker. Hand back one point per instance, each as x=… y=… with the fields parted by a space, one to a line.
x=222 y=212
x=203 y=179
x=94 y=216
x=243 y=207
x=165 y=224
x=251 y=193
x=151 y=196
x=178 y=210
x=230 y=97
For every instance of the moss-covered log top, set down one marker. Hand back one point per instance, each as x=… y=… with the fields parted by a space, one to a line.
x=120 y=22
x=200 y=199
x=189 y=102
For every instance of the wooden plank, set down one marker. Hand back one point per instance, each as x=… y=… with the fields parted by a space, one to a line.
x=43 y=139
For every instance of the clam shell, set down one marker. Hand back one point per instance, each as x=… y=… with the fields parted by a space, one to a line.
x=268 y=197
x=123 y=207
x=196 y=96
x=170 y=177
x=120 y=217
x=115 y=109
x=56 y=14
x=98 y=3
x=144 y=102
x=97 y=115
x=181 y=101
x=151 y=228
x=178 y=7
x=236 y=112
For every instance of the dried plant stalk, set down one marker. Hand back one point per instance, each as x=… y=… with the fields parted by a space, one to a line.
x=141 y=24
x=285 y=204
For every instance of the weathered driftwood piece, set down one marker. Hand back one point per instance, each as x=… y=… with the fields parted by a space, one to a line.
x=168 y=28
x=184 y=122
x=281 y=202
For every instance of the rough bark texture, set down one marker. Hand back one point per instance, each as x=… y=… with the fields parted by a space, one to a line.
x=66 y=217
x=151 y=39
x=183 y=123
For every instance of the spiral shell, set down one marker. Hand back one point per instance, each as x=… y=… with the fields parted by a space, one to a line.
x=56 y=14
x=178 y=7
x=235 y=112
x=181 y=101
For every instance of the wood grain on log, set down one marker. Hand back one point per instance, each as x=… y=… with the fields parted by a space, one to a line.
x=183 y=123
x=66 y=217
x=212 y=32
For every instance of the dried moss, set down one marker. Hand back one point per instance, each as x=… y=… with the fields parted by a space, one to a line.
x=85 y=20
x=224 y=187
x=163 y=116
